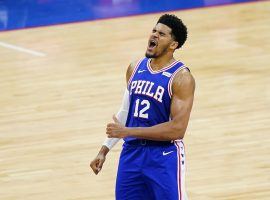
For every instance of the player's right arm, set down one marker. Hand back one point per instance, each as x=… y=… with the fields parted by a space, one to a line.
x=109 y=143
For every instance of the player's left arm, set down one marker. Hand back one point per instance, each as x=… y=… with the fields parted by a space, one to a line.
x=182 y=100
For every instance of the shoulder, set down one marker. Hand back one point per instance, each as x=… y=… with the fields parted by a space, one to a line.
x=183 y=84
x=130 y=69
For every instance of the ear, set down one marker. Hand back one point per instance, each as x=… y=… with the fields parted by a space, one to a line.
x=174 y=45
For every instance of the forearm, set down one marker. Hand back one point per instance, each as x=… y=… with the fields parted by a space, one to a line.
x=104 y=150
x=162 y=132
x=122 y=117
x=110 y=143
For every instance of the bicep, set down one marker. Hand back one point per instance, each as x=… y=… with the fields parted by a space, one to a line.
x=130 y=70
x=182 y=98
x=180 y=109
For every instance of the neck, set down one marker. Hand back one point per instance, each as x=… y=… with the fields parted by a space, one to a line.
x=161 y=62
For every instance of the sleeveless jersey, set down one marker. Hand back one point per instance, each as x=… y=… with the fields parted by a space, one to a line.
x=150 y=94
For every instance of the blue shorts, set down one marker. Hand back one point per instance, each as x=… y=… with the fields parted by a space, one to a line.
x=150 y=170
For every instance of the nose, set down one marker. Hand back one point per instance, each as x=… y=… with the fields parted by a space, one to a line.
x=155 y=34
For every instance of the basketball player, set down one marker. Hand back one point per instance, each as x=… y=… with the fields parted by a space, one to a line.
x=153 y=119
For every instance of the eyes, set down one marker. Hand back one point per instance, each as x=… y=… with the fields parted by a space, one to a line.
x=159 y=32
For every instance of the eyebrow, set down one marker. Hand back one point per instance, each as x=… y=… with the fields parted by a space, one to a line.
x=160 y=32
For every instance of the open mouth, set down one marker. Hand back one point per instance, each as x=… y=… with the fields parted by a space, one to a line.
x=152 y=44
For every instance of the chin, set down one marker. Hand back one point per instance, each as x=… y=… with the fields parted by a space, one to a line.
x=148 y=55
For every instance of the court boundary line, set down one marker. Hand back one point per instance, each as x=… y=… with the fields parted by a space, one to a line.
x=21 y=49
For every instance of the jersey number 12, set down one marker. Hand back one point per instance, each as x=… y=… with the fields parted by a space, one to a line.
x=142 y=112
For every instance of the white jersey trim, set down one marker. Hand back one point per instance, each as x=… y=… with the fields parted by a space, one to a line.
x=161 y=70
x=171 y=79
x=181 y=169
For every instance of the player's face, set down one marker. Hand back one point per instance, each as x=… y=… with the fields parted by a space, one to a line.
x=159 y=41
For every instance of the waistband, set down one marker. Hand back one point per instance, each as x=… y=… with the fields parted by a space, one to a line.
x=141 y=142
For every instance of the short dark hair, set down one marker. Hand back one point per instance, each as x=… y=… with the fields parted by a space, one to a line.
x=179 y=29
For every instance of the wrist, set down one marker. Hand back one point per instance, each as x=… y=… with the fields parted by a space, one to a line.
x=128 y=132
x=104 y=150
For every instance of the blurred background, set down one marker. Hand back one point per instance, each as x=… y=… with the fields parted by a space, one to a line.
x=32 y=13
x=62 y=77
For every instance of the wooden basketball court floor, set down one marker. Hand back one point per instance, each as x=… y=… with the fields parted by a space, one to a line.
x=56 y=99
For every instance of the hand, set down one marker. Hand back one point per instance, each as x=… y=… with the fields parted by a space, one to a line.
x=116 y=129
x=97 y=163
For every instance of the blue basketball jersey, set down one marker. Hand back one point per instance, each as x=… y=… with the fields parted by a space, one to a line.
x=150 y=94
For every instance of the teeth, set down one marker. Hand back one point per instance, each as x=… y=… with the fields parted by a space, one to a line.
x=152 y=43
